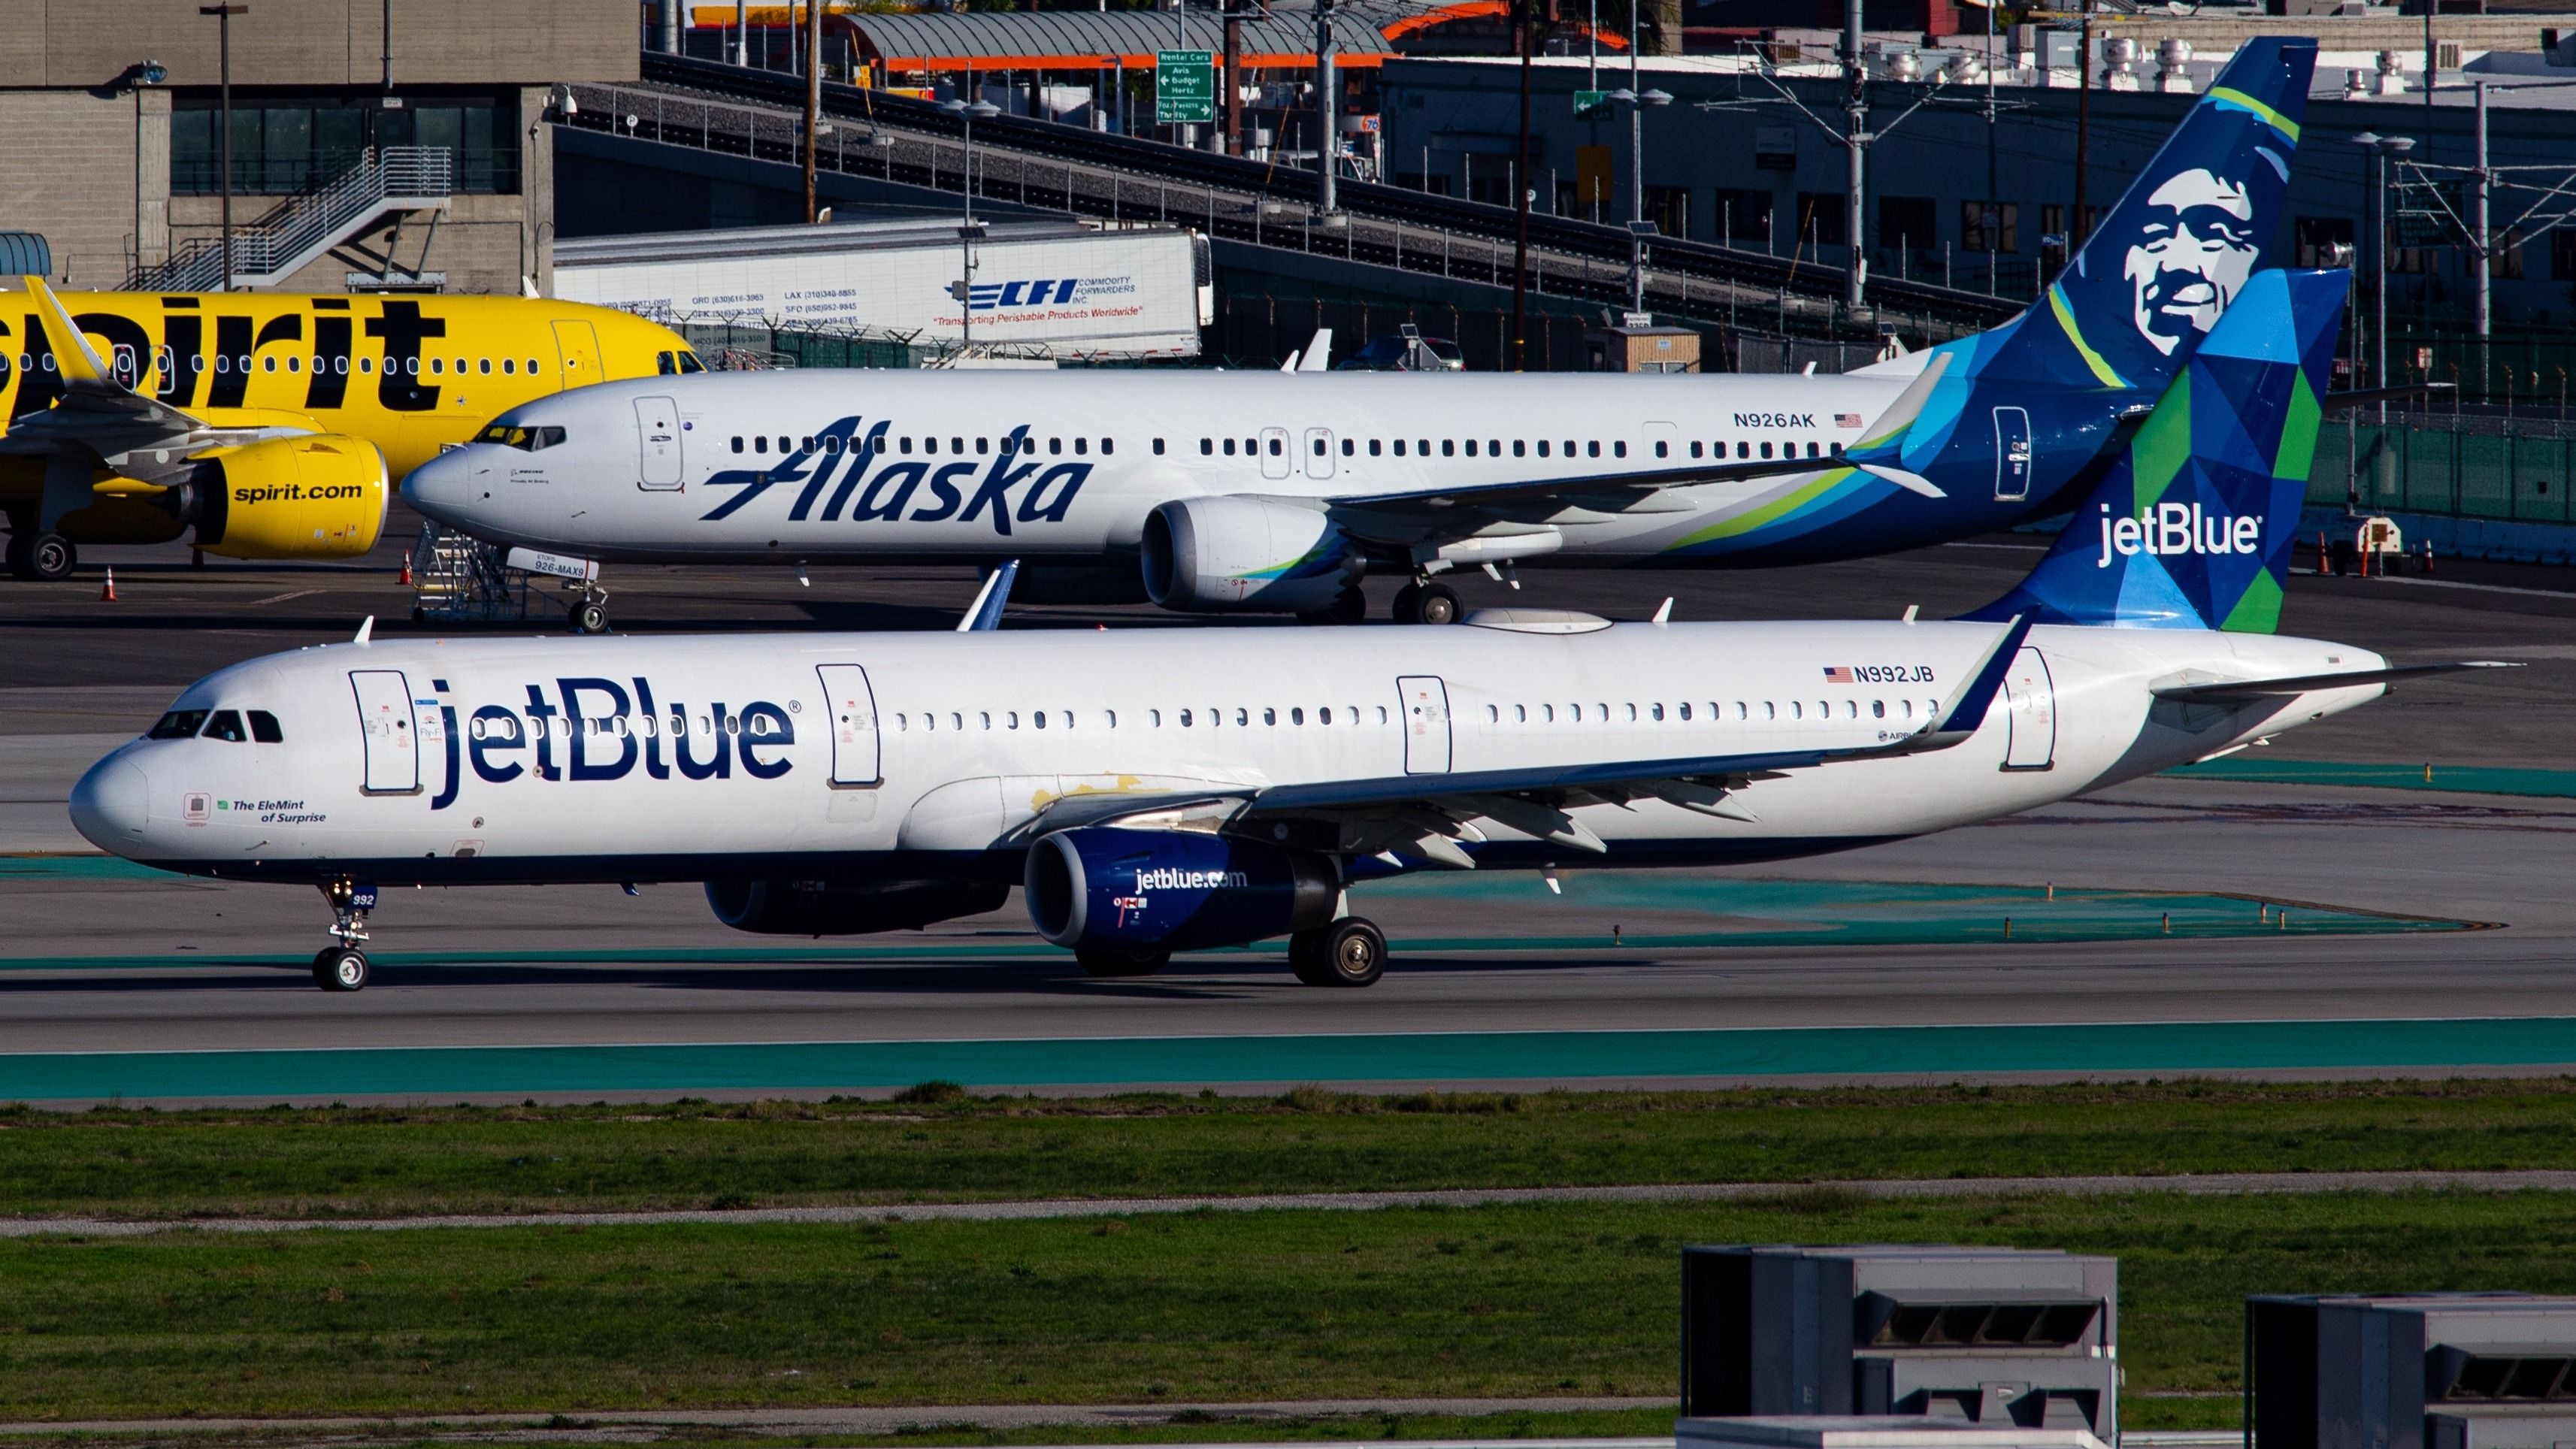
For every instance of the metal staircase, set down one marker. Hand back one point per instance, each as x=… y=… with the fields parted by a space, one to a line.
x=455 y=577
x=300 y=229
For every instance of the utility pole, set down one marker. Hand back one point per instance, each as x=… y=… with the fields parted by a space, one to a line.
x=389 y=41
x=813 y=101
x=224 y=150
x=2083 y=126
x=2481 y=240
x=1326 y=102
x=1994 y=209
x=1233 y=78
x=1855 y=157
x=1521 y=196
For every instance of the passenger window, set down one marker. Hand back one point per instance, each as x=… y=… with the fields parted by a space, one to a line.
x=1185 y=719
x=1686 y=710
x=1520 y=714
x=1381 y=714
x=1619 y=449
x=487 y=366
x=1878 y=709
x=760 y=444
x=266 y=364
x=263 y=728
x=832 y=443
x=1242 y=716
x=1055 y=445
x=1207 y=447
x=1324 y=715
x=687 y=364
x=1082 y=445
x=1656 y=711
x=1399 y=447
x=1374 y=446
x=1421 y=447
x=985 y=717
x=1110 y=445
x=1493 y=714
x=1471 y=447
x=1038 y=717
x=1592 y=449
x=1694 y=447
x=178 y=724
x=1766 y=450
x=226 y=724
x=737 y=444
x=296 y=364
x=805 y=445
x=782 y=445
x=1269 y=716
x=1014 y=718
x=1347 y=445
x=1154 y=717
x=510 y=365
x=1277 y=446
x=1520 y=449
x=1296 y=716
x=1448 y=447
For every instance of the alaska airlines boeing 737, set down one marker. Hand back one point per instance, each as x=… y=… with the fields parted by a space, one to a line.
x=270 y=423
x=1161 y=790
x=1278 y=491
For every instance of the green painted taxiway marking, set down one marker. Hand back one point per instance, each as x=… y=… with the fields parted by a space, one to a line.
x=2170 y=1048
x=1653 y=910
x=2466 y=779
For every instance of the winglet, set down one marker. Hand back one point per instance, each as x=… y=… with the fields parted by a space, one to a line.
x=1318 y=356
x=985 y=614
x=72 y=352
x=1968 y=712
x=366 y=630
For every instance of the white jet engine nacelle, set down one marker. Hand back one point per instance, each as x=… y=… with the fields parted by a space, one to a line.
x=1209 y=554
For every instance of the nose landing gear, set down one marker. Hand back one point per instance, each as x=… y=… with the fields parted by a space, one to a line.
x=343 y=967
x=590 y=610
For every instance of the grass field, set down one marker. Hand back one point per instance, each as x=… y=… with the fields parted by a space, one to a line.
x=342 y=1162
x=1573 y=1299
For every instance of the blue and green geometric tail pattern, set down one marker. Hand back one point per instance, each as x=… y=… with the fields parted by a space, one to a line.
x=2192 y=527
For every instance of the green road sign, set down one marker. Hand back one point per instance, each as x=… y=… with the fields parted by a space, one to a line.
x=2429 y=213
x=1587 y=102
x=1184 y=87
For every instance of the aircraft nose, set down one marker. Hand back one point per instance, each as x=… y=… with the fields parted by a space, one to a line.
x=440 y=486
x=110 y=804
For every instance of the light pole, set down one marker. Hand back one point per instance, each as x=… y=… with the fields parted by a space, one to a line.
x=967 y=115
x=224 y=148
x=1638 y=231
x=1636 y=102
x=2381 y=148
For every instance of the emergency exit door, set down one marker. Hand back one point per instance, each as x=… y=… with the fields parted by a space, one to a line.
x=1426 y=724
x=657 y=432
x=853 y=716
x=392 y=735
x=2032 y=713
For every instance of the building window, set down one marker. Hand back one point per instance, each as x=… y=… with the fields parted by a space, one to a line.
x=1972 y=226
x=289 y=145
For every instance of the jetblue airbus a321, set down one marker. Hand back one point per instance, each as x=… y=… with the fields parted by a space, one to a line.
x=1211 y=491
x=1159 y=790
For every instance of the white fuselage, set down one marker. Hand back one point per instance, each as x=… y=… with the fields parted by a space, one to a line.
x=894 y=466
x=919 y=755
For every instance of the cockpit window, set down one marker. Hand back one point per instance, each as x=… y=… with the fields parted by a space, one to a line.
x=526 y=440
x=178 y=724
x=263 y=728
x=667 y=363
x=226 y=724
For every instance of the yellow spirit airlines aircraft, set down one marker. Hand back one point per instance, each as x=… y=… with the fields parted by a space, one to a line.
x=273 y=424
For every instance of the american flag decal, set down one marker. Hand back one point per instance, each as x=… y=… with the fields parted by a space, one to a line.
x=1837 y=674
x=1846 y=420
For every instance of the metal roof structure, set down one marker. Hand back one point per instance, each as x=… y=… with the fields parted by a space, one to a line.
x=1281 y=36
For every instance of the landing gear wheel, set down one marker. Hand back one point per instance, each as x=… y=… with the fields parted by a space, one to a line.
x=1438 y=605
x=1101 y=961
x=1349 y=952
x=340 y=968
x=1408 y=605
x=49 y=558
x=589 y=616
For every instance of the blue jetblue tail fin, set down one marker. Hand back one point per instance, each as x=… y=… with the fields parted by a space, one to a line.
x=2152 y=279
x=2192 y=526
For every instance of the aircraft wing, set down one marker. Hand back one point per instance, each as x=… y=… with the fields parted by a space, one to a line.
x=1428 y=815
x=1370 y=515
x=136 y=436
x=2224 y=691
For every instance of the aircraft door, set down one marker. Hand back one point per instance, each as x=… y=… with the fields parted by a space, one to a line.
x=1426 y=724
x=392 y=735
x=657 y=427
x=2033 y=713
x=1319 y=453
x=1275 y=462
x=577 y=343
x=2012 y=455
x=854 y=724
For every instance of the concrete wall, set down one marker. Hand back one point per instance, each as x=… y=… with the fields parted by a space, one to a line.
x=59 y=43
x=91 y=172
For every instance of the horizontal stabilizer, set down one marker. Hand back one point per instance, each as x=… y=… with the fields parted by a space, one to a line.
x=2225 y=691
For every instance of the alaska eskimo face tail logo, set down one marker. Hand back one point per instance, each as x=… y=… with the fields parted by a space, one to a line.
x=2199 y=247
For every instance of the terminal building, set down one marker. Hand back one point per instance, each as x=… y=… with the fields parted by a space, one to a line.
x=112 y=108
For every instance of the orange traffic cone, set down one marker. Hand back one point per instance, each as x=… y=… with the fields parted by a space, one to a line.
x=107 y=595
x=405 y=580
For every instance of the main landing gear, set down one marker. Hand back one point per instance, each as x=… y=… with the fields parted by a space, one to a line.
x=343 y=967
x=1349 y=952
x=1424 y=602
x=42 y=557
x=1108 y=962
